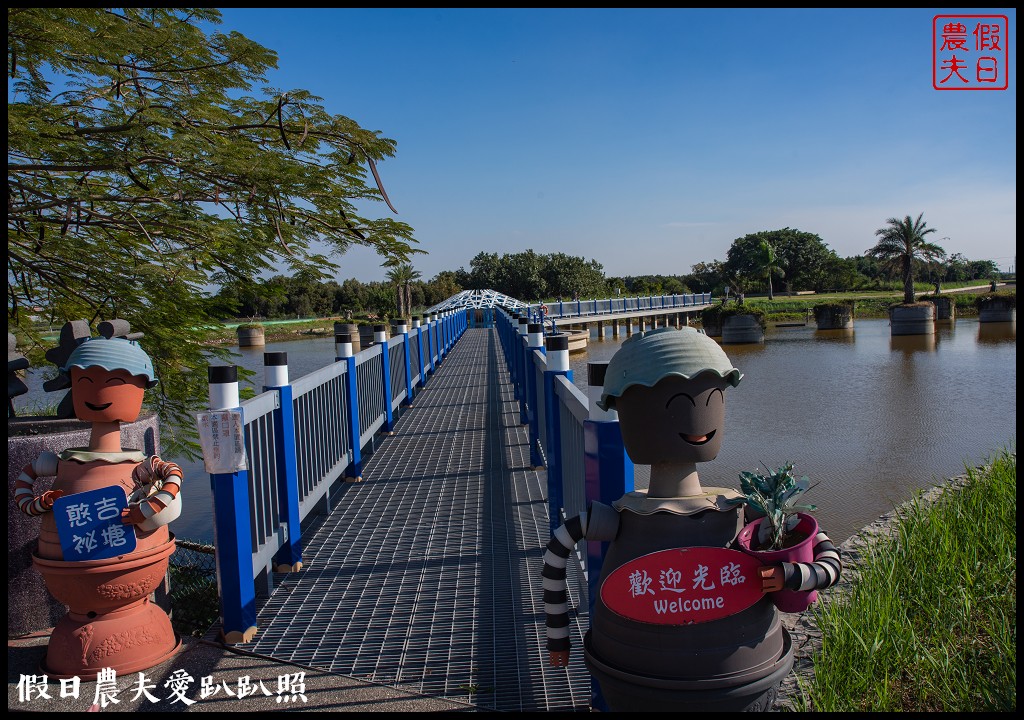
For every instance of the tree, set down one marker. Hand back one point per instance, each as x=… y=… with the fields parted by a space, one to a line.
x=441 y=287
x=402 y=275
x=768 y=262
x=901 y=245
x=380 y=300
x=351 y=297
x=146 y=160
x=485 y=272
x=800 y=257
x=708 y=277
x=571 y=276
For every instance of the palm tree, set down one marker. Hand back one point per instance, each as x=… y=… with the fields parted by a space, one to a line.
x=768 y=263
x=401 y=276
x=902 y=244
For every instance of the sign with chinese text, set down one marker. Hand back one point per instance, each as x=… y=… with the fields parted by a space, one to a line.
x=89 y=524
x=970 y=52
x=682 y=586
x=222 y=441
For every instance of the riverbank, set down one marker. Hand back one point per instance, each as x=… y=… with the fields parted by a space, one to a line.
x=782 y=308
x=872 y=548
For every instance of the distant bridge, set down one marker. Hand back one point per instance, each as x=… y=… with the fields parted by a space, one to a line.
x=561 y=313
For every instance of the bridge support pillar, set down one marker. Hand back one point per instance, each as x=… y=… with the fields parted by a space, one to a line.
x=289 y=557
x=232 y=534
x=615 y=328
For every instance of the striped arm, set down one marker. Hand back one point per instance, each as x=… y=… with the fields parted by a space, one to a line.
x=822 y=573
x=556 y=598
x=166 y=475
x=24 y=496
x=599 y=522
x=28 y=503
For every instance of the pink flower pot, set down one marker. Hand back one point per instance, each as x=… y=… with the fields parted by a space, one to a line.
x=802 y=552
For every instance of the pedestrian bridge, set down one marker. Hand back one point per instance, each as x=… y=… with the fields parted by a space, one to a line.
x=611 y=311
x=392 y=519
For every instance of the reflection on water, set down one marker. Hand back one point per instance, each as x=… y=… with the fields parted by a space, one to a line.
x=914 y=343
x=997 y=332
x=837 y=336
x=869 y=417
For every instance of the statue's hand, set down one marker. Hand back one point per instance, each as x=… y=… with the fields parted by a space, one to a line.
x=771 y=578
x=47 y=498
x=558 y=658
x=132 y=515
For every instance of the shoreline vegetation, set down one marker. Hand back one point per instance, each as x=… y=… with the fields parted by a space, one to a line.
x=925 y=615
x=782 y=308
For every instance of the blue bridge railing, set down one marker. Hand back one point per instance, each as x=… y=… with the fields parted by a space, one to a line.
x=299 y=439
x=578 y=444
x=560 y=310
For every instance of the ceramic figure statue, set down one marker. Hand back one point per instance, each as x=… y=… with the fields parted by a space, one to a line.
x=665 y=637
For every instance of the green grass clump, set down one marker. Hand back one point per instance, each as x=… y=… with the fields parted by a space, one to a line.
x=930 y=623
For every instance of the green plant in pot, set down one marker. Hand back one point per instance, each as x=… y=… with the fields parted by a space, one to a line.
x=785 y=534
x=776 y=496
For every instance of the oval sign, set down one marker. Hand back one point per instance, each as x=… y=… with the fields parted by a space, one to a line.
x=682 y=586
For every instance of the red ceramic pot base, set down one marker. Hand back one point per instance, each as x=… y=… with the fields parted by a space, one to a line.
x=128 y=640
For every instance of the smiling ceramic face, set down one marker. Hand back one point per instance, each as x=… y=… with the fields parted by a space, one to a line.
x=102 y=395
x=676 y=421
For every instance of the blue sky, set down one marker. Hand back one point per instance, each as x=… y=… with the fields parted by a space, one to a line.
x=650 y=139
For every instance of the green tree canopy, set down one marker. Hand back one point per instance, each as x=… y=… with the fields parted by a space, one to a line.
x=529 y=275
x=708 y=277
x=402 y=275
x=902 y=245
x=441 y=287
x=800 y=257
x=147 y=160
x=571 y=276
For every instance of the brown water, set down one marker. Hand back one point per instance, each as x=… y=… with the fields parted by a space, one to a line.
x=869 y=417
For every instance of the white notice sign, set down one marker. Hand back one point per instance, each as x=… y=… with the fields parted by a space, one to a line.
x=222 y=440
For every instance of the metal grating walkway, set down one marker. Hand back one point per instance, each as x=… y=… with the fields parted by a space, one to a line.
x=426 y=576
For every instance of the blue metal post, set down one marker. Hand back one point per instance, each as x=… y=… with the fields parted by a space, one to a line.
x=535 y=333
x=403 y=330
x=432 y=341
x=419 y=344
x=558 y=364
x=439 y=329
x=521 y=360
x=438 y=340
x=231 y=530
x=343 y=353
x=512 y=359
x=380 y=336
x=275 y=377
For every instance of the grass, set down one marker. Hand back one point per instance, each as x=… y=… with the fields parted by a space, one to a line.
x=289 y=329
x=930 y=624
x=867 y=304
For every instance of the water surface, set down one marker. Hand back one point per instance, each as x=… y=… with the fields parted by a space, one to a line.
x=868 y=417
